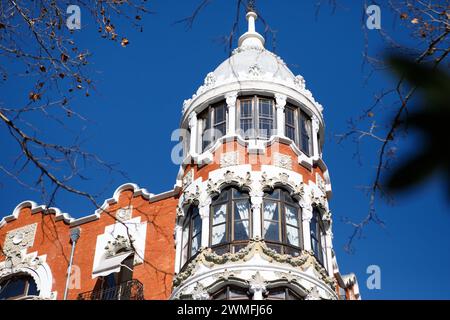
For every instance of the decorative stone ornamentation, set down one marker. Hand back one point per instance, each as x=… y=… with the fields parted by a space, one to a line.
x=19 y=240
x=191 y=197
x=229 y=159
x=188 y=179
x=257 y=286
x=283 y=179
x=313 y=294
x=120 y=243
x=210 y=80
x=282 y=161
x=300 y=82
x=209 y=258
x=228 y=178
x=254 y=70
x=124 y=214
x=199 y=293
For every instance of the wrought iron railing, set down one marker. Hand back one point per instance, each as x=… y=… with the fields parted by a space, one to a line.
x=129 y=290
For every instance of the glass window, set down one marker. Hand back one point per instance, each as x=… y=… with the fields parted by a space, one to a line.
x=305 y=133
x=317 y=233
x=282 y=293
x=281 y=222
x=18 y=287
x=213 y=124
x=290 y=128
x=266 y=118
x=191 y=234
x=256 y=117
x=232 y=293
x=230 y=220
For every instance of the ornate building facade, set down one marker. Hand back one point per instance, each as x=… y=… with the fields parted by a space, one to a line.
x=248 y=217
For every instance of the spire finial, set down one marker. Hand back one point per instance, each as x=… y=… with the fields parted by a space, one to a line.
x=251 y=38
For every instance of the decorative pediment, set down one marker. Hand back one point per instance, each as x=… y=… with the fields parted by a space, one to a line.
x=283 y=180
x=228 y=178
x=119 y=244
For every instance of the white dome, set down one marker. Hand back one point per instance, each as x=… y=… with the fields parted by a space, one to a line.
x=252 y=62
x=251 y=65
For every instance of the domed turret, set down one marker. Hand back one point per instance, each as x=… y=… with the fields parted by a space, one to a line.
x=253 y=217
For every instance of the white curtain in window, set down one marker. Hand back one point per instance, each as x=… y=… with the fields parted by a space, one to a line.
x=243 y=210
x=218 y=234
x=269 y=212
x=292 y=235
x=220 y=214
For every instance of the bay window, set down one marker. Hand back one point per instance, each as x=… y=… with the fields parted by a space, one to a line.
x=281 y=218
x=230 y=222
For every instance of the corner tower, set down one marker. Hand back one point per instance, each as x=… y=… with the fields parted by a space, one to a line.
x=253 y=220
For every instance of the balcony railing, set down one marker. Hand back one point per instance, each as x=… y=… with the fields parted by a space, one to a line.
x=129 y=290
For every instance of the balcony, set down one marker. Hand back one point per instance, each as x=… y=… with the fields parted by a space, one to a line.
x=129 y=290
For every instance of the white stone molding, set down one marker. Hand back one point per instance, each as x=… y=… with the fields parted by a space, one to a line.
x=17 y=242
x=129 y=235
x=257 y=286
x=307 y=214
x=313 y=294
x=229 y=178
x=256 y=200
x=231 y=98
x=199 y=293
x=282 y=179
x=193 y=127
x=315 y=123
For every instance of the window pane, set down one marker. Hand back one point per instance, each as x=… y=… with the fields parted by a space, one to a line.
x=195 y=244
x=241 y=230
x=305 y=133
x=12 y=288
x=265 y=127
x=185 y=235
x=219 y=114
x=277 y=294
x=292 y=235
x=219 y=131
x=246 y=109
x=197 y=226
x=218 y=234
x=291 y=215
x=290 y=133
x=220 y=214
x=265 y=108
x=270 y=210
x=247 y=128
x=290 y=117
x=241 y=210
x=274 y=195
x=271 y=231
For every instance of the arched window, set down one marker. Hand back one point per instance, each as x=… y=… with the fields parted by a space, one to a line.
x=191 y=234
x=232 y=293
x=281 y=228
x=282 y=293
x=17 y=287
x=256 y=117
x=230 y=222
x=317 y=236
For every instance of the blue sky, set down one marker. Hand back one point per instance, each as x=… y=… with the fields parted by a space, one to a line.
x=137 y=105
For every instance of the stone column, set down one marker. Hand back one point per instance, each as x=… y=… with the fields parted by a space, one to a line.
x=257 y=286
x=280 y=105
x=329 y=248
x=193 y=138
x=257 y=201
x=307 y=214
x=204 y=210
x=315 y=132
x=231 y=99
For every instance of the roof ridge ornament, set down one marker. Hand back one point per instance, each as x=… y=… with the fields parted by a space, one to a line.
x=251 y=38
